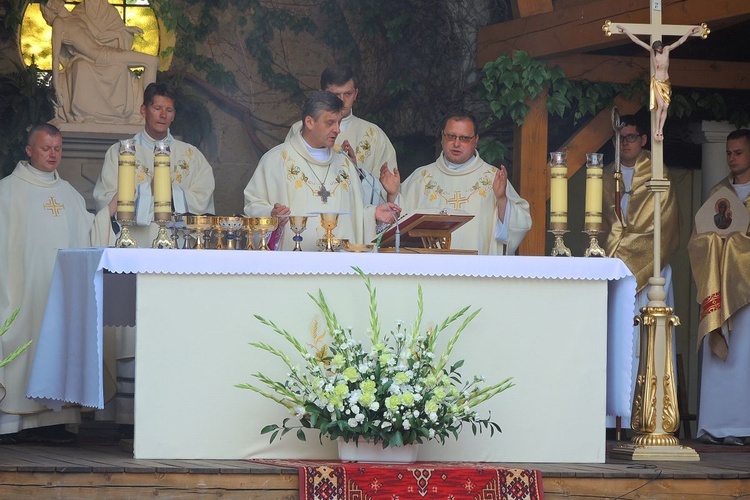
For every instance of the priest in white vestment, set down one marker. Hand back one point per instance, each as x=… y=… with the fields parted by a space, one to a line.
x=461 y=180
x=192 y=176
x=192 y=191
x=39 y=214
x=305 y=176
x=371 y=146
x=721 y=268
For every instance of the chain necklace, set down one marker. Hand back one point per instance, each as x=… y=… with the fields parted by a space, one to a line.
x=323 y=193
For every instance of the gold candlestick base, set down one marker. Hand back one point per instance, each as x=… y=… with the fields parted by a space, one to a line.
x=559 y=249
x=162 y=239
x=594 y=250
x=125 y=240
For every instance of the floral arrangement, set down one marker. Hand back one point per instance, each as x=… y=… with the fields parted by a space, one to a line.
x=396 y=393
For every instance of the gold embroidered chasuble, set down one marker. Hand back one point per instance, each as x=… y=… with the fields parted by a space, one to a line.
x=289 y=175
x=468 y=189
x=721 y=270
x=38 y=216
x=632 y=240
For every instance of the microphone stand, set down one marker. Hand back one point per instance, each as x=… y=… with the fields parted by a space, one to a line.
x=397 y=238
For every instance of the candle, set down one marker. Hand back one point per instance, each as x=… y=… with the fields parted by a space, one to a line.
x=126 y=181
x=594 y=167
x=162 y=182
x=558 y=200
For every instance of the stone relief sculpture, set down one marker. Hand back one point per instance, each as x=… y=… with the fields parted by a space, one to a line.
x=91 y=59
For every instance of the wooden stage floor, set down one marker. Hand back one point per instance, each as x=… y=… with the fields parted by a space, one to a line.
x=100 y=468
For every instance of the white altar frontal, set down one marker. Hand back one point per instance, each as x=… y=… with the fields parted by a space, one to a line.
x=544 y=321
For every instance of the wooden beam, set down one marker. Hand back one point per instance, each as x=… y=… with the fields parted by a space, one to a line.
x=595 y=134
x=530 y=172
x=682 y=72
x=578 y=28
x=526 y=8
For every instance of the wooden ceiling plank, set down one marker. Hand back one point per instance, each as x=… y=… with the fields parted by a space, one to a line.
x=578 y=28
x=682 y=72
x=526 y=8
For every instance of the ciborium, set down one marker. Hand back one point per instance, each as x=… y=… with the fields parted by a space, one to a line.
x=265 y=224
x=298 y=224
x=201 y=225
x=231 y=225
x=329 y=221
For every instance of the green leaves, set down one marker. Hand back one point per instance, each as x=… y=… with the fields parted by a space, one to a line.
x=20 y=349
x=394 y=391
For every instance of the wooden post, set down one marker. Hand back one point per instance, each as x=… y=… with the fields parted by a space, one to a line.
x=530 y=172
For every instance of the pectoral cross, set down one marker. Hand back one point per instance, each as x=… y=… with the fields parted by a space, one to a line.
x=54 y=207
x=323 y=193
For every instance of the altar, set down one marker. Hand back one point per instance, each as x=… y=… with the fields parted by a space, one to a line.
x=561 y=327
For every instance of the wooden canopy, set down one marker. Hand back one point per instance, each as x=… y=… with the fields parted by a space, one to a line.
x=563 y=32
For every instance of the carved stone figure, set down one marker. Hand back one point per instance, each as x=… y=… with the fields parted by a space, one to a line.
x=91 y=60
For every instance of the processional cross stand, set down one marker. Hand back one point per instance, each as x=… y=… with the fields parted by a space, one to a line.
x=655 y=416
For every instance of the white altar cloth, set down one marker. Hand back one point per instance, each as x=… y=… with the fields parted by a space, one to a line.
x=157 y=272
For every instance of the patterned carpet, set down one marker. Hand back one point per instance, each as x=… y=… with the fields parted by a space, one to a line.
x=333 y=480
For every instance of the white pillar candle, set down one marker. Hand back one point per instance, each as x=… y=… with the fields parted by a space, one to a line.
x=558 y=200
x=594 y=169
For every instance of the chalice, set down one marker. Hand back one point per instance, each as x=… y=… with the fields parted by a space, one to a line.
x=265 y=224
x=200 y=224
x=216 y=226
x=329 y=221
x=231 y=225
x=297 y=223
x=249 y=227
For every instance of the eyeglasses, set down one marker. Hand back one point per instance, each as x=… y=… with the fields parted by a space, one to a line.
x=627 y=138
x=461 y=138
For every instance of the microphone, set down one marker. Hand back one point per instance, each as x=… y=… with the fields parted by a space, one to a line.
x=364 y=176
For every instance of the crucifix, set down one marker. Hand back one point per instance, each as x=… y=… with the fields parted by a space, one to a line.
x=655 y=416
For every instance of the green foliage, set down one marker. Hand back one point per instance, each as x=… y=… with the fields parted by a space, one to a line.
x=511 y=82
x=400 y=391
x=26 y=97
x=3 y=329
x=492 y=150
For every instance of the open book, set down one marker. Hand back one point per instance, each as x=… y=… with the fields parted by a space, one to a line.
x=425 y=228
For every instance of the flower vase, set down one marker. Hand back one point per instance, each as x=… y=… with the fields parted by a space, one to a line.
x=364 y=451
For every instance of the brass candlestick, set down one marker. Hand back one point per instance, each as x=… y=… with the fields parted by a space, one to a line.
x=594 y=250
x=559 y=248
x=162 y=239
x=125 y=240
